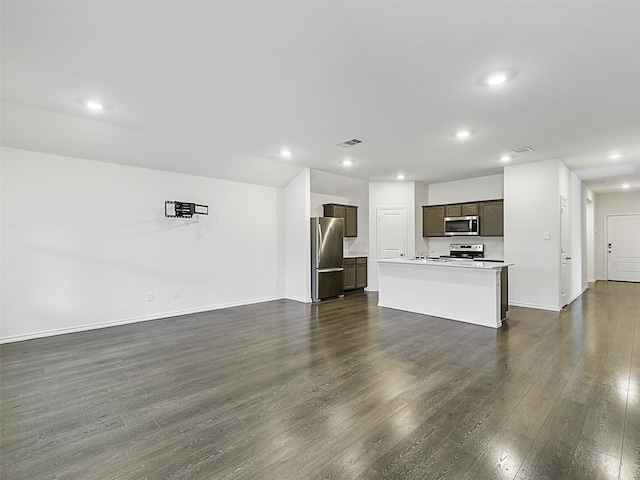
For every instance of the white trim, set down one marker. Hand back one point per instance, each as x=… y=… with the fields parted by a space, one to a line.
x=299 y=299
x=548 y=308
x=126 y=321
x=571 y=300
x=537 y=307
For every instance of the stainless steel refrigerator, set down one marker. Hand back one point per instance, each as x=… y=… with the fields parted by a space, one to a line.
x=327 y=263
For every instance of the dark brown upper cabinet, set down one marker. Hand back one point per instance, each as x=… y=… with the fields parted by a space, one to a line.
x=469 y=209
x=349 y=213
x=433 y=221
x=453 y=210
x=490 y=213
x=491 y=218
x=461 y=209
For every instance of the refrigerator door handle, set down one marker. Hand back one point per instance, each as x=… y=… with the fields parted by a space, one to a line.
x=326 y=270
x=319 y=244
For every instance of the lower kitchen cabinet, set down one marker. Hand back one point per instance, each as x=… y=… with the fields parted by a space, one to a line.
x=361 y=272
x=355 y=273
x=349 y=273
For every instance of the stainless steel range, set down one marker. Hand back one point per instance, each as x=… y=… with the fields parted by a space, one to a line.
x=465 y=250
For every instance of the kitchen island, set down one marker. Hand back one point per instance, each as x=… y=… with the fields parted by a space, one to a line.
x=464 y=290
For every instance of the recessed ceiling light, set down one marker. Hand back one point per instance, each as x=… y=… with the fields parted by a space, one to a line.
x=94 y=105
x=346 y=162
x=286 y=153
x=505 y=158
x=614 y=156
x=400 y=176
x=462 y=134
x=496 y=78
x=626 y=185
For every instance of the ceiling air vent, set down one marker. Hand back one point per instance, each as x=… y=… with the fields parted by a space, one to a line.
x=350 y=143
x=519 y=151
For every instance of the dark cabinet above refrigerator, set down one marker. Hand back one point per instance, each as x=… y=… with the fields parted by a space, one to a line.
x=349 y=213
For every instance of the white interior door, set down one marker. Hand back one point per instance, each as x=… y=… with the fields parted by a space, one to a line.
x=392 y=232
x=565 y=277
x=623 y=254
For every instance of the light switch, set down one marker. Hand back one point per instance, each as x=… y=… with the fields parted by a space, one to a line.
x=547 y=235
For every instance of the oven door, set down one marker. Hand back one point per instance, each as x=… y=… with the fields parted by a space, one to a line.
x=461 y=226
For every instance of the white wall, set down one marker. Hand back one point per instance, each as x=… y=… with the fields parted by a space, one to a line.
x=392 y=195
x=590 y=237
x=84 y=241
x=571 y=188
x=468 y=190
x=319 y=199
x=532 y=207
x=2 y=202
x=578 y=194
x=297 y=237
x=360 y=244
x=352 y=245
x=610 y=204
x=584 y=227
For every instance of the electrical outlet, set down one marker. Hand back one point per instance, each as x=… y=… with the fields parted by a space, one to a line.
x=149 y=296
x=176 y=293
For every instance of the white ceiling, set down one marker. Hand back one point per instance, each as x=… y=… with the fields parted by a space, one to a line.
x=217 y=88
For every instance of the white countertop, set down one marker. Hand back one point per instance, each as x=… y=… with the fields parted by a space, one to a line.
x=435 y=262
x=354 y=255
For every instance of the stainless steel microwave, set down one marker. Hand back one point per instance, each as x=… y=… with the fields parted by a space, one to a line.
x=461 y=226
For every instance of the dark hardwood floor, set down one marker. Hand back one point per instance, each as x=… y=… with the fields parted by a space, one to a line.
x=340 y=390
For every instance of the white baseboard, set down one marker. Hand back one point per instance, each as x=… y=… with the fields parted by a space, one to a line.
x=299 y=299
x=126 y=321
x=537 y=307
x=584 y=289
